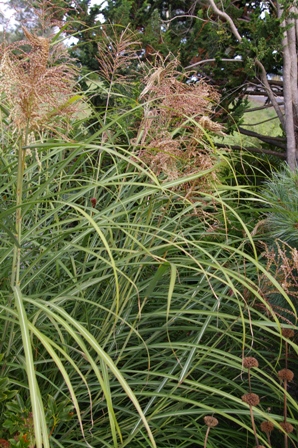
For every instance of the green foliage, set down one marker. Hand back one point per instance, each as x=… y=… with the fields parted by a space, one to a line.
x=147 y=275
x=129 y=297
x=5 y=391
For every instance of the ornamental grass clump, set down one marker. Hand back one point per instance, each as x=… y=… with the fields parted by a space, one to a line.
x=37 y=87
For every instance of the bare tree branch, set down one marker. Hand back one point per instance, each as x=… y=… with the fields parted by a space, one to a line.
x=265 y=82
x=180 y=16
x=270 y=93
x=205 y=61
x=276 y=141
x=260 y=122
x=254 y=109
x=226 y=17
x=280 y=155
x=258 y=63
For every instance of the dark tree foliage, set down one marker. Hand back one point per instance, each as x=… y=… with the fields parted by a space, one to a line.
x=86 y=28
x=194 y=32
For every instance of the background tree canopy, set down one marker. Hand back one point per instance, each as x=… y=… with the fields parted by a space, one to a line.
x=245 y=59
x=237 y=46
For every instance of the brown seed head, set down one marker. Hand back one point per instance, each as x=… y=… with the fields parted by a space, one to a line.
x=93 y=202
x=285 y=374
x=267 y=427
x=287 y=427
x=250 y=362
x=287 y=332
x=251 y=399
x=210 y=421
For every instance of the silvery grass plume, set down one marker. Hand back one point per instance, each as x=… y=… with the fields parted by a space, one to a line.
x=37 y=83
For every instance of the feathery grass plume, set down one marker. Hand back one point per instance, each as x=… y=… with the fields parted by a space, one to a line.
x=116 y=51
x=172 y=135
x=38 y=85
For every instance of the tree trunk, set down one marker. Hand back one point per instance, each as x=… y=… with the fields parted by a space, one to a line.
x=288 y=119
x=290 y=87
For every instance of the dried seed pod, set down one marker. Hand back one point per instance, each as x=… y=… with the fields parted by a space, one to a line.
x=287 y=427
x=93 y=202
x=251 y=399
x=210 y=421
x=287 y=332
x=285 y=374
x=267 y=427
x=250 y=362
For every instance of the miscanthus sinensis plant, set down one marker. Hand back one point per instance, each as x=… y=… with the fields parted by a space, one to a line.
x=37 y=87
x=39 y=102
